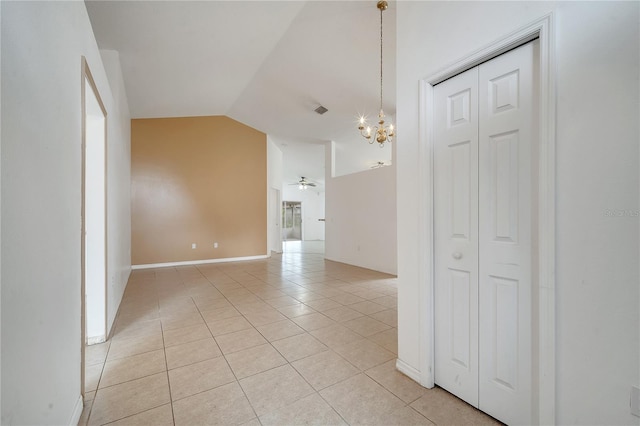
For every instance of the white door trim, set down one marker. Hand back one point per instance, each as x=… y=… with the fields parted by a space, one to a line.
x=87 y=80
x=543 y=29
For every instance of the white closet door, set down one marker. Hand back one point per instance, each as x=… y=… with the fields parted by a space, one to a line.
x=483 y=190
x=456 y=235
x=507 y=105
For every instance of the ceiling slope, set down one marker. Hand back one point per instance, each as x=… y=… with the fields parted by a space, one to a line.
x=330 y=57
x=267 y=64
x=188 y=58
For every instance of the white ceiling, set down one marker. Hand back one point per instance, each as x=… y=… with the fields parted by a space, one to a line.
x=267 y=64
x=302 y=159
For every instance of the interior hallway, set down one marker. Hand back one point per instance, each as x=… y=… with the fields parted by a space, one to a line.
x=293 y=339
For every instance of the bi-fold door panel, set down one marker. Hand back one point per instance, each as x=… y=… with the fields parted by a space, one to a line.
x=456 y=236
x=506 y=110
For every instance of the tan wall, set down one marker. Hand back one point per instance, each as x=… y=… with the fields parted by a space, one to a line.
x=197 y=180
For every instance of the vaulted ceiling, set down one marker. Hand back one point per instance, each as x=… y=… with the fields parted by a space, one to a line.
x=267 y=64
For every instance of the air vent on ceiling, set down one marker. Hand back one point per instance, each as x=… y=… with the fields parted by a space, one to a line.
x=321 y=110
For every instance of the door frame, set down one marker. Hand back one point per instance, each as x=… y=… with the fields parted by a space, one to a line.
x=544 y=290
x=86 y=76
x=275 y=243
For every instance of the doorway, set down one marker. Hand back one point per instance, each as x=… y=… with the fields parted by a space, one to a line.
x=275 y=217
x=485 y=155
x=292 y=221
x=94 y=207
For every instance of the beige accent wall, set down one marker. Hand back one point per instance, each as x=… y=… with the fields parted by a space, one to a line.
x=197 y=180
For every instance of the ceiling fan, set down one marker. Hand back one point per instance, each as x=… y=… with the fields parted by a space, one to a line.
x=303 y=183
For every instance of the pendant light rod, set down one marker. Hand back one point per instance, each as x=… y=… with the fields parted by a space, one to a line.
x=382 y=5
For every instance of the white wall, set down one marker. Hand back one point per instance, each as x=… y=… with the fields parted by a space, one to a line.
x=118 y=187
x=274 y=181
x=361 y=217
x=313 y=208
x=42 y=45
x=597 y=171
x=357 y=155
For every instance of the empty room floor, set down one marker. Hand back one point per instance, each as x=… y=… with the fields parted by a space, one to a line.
x=289 y=340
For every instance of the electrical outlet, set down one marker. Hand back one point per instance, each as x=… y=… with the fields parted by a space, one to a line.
x=635 y=401
x=215 y=245
x=193 y=245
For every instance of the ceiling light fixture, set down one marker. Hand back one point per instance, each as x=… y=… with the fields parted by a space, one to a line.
x=381 y=133
x=303 y=184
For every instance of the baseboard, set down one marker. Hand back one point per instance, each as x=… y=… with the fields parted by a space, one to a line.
x=77 y=412
x=198 y=262
x=408 y=370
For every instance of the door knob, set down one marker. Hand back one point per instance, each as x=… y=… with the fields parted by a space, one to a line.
x=457 y=255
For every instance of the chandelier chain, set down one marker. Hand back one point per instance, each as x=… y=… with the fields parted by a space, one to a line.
x=381 y=58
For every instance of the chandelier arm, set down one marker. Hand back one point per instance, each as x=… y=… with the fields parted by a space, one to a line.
x=365 y=134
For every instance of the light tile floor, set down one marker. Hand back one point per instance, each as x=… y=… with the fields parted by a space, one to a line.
x=289 y=340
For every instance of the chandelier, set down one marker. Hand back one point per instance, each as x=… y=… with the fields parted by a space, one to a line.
x=381 y=133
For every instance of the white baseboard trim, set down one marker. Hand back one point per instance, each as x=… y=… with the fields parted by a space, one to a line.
x=408 y=370
x=77 y=412
x=95 y=340
x=198 y=262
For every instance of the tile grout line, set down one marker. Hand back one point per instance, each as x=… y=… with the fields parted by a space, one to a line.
x=166 y=365
x=225 y=358
x=95 y=392
x=127 y=381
